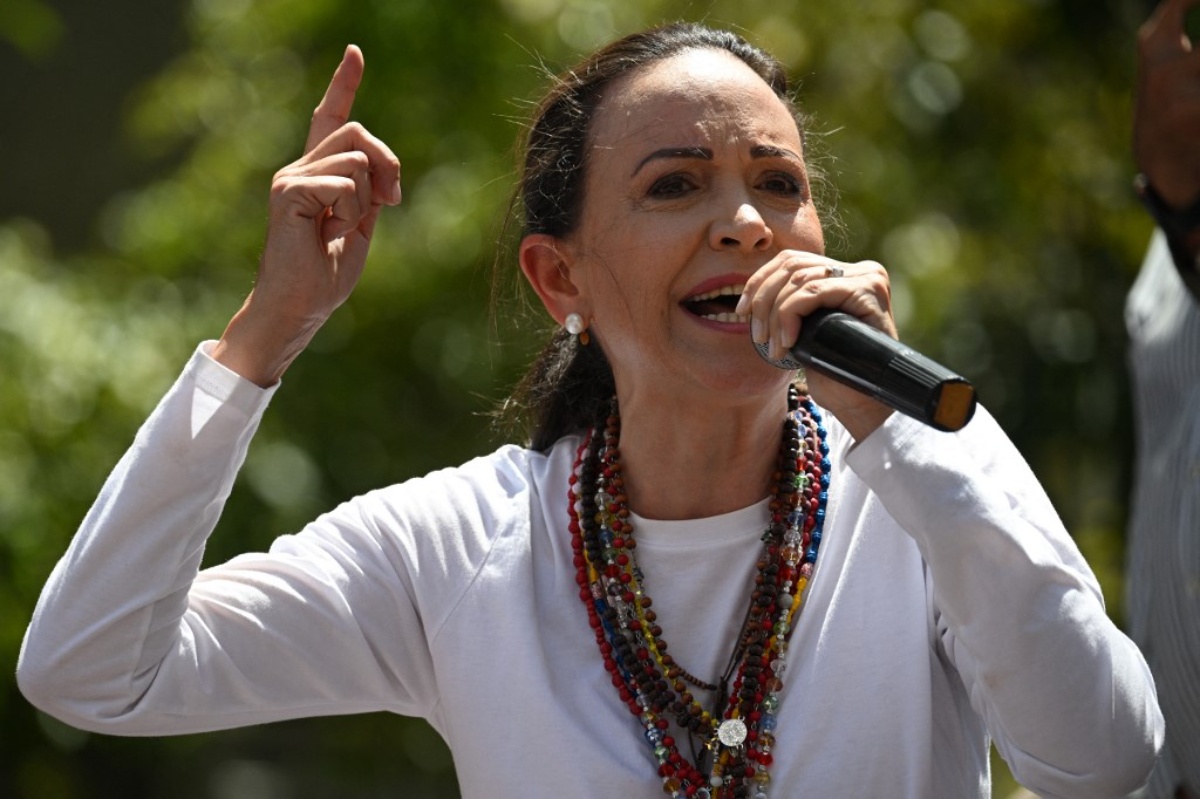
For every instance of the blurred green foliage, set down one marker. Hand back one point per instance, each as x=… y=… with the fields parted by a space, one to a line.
x=979 y=150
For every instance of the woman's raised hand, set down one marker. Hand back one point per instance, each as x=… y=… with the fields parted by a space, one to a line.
x=323 y=210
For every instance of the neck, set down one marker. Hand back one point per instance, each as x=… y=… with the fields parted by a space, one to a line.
x=690 y=460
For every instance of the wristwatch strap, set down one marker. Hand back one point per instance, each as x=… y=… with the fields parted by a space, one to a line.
x=1178 y=225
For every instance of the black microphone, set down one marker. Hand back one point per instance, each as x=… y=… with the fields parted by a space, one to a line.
x=868 y=360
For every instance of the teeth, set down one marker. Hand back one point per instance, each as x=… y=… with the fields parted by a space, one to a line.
x=724 y=316
x=724 y=291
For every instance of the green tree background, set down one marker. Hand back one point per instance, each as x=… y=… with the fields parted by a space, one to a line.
x=980 y=150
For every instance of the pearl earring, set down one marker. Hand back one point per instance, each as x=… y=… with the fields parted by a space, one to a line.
x=576 y=327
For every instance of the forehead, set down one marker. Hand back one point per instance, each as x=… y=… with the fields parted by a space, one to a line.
x=700 y=96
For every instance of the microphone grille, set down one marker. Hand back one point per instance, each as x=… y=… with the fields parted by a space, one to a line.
x=786 y=362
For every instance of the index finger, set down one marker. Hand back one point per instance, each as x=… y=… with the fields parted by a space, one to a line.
x=334 y=109
x=1165 y=33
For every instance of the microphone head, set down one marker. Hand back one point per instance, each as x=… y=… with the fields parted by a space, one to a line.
x=787 y=362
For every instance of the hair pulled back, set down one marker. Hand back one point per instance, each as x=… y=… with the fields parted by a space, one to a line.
x=569 y=386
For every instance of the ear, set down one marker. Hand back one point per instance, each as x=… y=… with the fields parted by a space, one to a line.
x=548 y=270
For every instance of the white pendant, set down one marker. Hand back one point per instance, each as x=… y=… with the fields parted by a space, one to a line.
x=732 y=732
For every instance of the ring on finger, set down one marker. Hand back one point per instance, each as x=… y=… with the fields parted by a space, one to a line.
x=834 y=270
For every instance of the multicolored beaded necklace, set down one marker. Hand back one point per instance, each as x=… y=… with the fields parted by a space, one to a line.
x=737 y=738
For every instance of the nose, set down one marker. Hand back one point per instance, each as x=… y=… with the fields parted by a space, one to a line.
x=745 y=230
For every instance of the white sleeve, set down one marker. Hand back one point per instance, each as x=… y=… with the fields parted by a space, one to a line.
x=1066 y=696
x=129 y=638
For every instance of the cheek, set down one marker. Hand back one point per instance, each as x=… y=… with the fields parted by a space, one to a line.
x=631 y=309
x=813 y=221
x=807 y=232
x=818 y=240
x=626 y=297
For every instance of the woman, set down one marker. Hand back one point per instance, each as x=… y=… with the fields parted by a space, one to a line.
x=854 y=602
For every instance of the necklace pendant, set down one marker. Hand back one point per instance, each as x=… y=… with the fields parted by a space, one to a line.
x=732 y=733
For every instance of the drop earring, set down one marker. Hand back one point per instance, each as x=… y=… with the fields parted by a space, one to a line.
x=576 y=327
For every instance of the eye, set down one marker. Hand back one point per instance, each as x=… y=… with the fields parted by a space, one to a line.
x=782 y=183
x=673 y=185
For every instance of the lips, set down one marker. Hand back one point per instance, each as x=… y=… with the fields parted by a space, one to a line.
x=717 y=304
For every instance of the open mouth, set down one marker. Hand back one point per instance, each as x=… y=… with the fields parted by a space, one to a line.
x=717 y=305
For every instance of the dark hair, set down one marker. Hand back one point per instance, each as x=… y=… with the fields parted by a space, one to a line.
x=569 y=386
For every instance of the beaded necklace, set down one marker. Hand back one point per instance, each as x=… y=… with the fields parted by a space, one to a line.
x=739 y=736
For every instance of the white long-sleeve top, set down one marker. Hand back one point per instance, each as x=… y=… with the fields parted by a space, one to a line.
x=949 y=604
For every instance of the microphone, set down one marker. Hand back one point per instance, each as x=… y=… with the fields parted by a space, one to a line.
x=870 y=361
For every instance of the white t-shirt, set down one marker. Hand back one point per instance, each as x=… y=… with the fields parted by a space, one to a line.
x=948 y=602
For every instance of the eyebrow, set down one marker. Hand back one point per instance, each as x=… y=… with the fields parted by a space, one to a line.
x=705 y=154
x=702 y=153
x=768 y=151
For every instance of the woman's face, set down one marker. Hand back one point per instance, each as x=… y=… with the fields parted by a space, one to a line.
x=695 y=179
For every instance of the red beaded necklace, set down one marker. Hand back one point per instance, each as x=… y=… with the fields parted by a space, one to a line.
x=739 y=736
